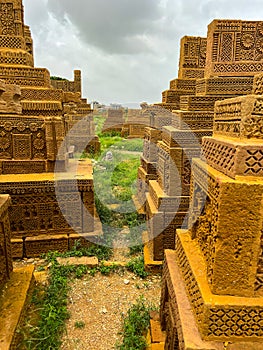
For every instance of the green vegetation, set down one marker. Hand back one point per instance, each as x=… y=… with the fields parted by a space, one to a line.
x=123 y=177
x=108 y=141
x=136 y=265
x=135 y=326
x=132 y=145
x=45 y=331
x=114 y=184
x=57 y=78
x=100 y=251
x=114 y=187
x=99 y=121
x=79 y=324
x=116 y=143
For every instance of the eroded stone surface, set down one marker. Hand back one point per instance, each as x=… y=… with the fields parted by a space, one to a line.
x=219 y=256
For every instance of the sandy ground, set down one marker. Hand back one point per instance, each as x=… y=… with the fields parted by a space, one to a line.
x=100 y=303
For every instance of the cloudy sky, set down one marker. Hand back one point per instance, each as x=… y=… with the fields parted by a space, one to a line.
x=127 y=49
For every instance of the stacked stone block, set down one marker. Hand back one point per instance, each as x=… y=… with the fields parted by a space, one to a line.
x=34 y=120
x=134 y=125
x=191 y=67
x=182 y=141
x=114 y=120
x=6 y=264
x=216 y=268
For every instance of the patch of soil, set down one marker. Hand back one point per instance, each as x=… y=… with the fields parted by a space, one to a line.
x=100 y=303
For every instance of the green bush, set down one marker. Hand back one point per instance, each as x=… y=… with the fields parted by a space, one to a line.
x=136 y=265
x=135 y=326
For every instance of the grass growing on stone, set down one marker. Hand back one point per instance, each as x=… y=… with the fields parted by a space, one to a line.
x=50 y=305
x=135 y=326
x=102 y=252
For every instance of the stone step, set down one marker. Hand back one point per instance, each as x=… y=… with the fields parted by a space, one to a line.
x=13 y=299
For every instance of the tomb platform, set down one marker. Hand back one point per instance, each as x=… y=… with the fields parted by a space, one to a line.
x=51 y=211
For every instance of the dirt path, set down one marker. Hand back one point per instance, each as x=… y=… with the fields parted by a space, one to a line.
x=100 y=304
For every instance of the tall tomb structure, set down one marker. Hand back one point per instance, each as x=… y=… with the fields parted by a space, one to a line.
x=181 y=141
x=34 y=120
x=191 y=67
x=212 y=292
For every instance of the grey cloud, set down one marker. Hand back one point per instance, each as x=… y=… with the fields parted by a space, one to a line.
x=115 y=26
x=128 y=50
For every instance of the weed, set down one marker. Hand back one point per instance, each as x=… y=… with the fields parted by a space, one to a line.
x=100 y=251
x=53 y=311
x=40 y=268
x=79 y=324
x=112 y=133
x=84 y=155
x=135 y=326
x=133 y=145
x=137 y=249
x=106 y=270
x=80 y=271
x=99 y=121
x=136 y=265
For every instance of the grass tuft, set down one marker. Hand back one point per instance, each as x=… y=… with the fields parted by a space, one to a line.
x=135 y=326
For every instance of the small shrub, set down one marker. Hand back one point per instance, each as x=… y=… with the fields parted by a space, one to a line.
x=135 y=326
x=79 y=324
x=136 y=266
x=106 y=270
x=100 y=251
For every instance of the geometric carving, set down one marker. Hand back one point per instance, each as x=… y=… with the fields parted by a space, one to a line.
x=233 y=159
x=258 y=85
x=192 y=57
x=7 y=20
x=235 y=48
x=32 y=130
x=22 y=146
x=254 y=162
x=220 y=255
x=191 y=67
x=224 y=86
x=226 y=47
x=217 y=317
x=240 y=117
x=259 y=275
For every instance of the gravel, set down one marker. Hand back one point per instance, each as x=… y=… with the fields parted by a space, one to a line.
x=101 y=302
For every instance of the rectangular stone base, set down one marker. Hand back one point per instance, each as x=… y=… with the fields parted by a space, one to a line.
x=35 y=246
x=219 y=317
x=149 y=167
x=169 y=106
x=143 y=185
x=177 y=317
x=161 y=227
x=184 y=86
x=47 y=205
x=171 y=96
x=86 y=239
x=17 y=247
x=196 y=120
x=224 y=85
x=13 y=300
x=200 y=103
